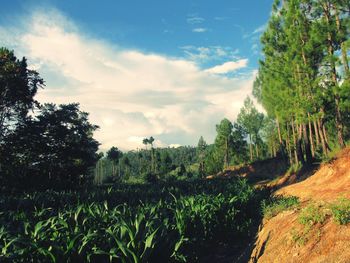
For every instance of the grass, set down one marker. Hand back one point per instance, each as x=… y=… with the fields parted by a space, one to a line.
x=341 y=211
x=278 y=204
x=317 y=214
x=311 y=215
x=332 y=154
x=299 y=238
x=294 y=169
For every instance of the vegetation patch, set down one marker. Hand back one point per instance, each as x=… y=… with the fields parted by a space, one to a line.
x=312 y=214
x=174 y=222
x=341 y=211
x=276 y=205
x=299 y=238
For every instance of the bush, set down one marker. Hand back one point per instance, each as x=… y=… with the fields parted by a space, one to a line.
x=312 y=214
x=151 y=177
x=341 y=211
x=278 y=204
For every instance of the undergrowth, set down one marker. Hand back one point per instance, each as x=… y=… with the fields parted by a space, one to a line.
x=275 y=205
x=311 y=215
x=341 y=211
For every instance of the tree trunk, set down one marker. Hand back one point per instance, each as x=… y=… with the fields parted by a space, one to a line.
x=316 y=133
x=299 y=146
x=308 y=153
x=295 y=143
x=325 y=134
x=282 y=144
x=250 y=147
x=289 y=149
x=226 y=153
x=311 y=137
x=322 y=138
x=274 y=149
x=338 y=122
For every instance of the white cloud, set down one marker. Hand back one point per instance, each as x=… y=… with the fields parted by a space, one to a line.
x=255 y=49
x=228 y=67
x=200 y=30
x=256 y=31
x=260 y=29
x=128 y=93
x=209 y=53
x=221 y=18
x=192 y=20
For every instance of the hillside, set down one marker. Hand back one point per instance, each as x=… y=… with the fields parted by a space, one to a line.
x=309 y=231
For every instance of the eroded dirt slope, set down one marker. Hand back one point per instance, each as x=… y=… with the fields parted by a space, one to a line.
x=284 y=239
x=328 y=183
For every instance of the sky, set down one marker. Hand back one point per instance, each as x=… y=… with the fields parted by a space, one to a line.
x=167 y=69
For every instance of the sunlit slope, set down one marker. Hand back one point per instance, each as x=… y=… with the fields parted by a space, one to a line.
x=310 y=232
x=328 y=183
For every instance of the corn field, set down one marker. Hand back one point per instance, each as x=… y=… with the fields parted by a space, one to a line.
x=126 y=223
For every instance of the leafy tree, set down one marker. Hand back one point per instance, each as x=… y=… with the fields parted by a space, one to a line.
x=153 y=165
x=127 y=165
x=54 y=148
x=252 y=122
x=165 y=162
x=223 y=140
x=18 y=86
x=213 y=160
x=114 y=154
x=304 y=75
x=201 y=152
x=239 y=145
x=182 y=170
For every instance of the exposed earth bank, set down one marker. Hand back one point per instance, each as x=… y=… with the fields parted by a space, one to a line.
x=285 y=238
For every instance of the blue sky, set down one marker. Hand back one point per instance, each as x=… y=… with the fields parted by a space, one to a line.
x=171 y=69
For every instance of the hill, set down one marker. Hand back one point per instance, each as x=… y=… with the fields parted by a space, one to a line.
x=309 y=232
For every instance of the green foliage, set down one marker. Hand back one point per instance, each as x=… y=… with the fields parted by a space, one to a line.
x=114 y=154
x=303 y=79
x=341 y=211
x=126 y=223
x=223 y=141
x=312 y=214
x=55 y=148
x=276 y=205
x=331 y=154
x=294 y=169
x=299 y=238
x=252 y=122
x=18 y=86
x=151 y=177
x=201 y=153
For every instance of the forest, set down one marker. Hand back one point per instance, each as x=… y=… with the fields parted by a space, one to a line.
x=63 y=200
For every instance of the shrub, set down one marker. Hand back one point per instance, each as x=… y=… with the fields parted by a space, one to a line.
x=341 y=211
x=278 y=204
x=312 y=214
x=151 y=178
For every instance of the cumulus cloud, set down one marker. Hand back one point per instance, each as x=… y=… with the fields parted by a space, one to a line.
x=128 y=93
x=228 y=67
